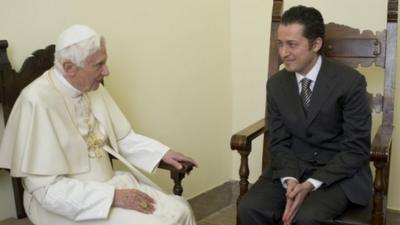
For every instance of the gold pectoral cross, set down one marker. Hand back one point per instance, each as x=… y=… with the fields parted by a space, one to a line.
x=94 y=145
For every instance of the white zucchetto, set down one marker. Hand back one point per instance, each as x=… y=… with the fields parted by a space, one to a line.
x=74 y=34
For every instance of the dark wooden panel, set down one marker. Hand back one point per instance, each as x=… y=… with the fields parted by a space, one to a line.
x=352 y=48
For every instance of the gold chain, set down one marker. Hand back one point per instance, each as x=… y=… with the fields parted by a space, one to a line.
x=94 y=143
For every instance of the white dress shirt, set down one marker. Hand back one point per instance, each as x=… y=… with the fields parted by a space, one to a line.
x=312 y=75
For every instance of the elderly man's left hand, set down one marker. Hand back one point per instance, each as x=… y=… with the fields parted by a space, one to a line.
x=175 y=158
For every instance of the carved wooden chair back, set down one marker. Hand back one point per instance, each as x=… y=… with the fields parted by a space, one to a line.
x=12 y=83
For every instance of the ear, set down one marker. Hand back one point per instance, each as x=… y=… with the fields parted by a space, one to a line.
x=317 y=44
x=70 y=69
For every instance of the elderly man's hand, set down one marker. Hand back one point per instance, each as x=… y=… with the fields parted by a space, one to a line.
x=175 y=158
x=133 y=199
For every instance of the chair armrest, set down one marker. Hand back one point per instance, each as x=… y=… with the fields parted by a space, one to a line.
x=242 y=140
x=381 y=144
x=380 y=153
x=187 y=167
x=177 y=175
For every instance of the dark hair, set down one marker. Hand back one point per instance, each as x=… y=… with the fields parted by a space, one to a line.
x=309 y=17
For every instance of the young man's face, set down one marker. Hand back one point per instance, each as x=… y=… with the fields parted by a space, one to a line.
x=296 y=52
x=89 y=77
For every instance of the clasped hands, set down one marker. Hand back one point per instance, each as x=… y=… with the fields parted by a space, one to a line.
x=295 y=194
x=135 y=199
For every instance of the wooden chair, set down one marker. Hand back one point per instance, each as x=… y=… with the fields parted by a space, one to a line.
x=11 y=84
x=352 y=47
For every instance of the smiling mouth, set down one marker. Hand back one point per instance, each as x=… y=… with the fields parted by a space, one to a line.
x=288 y=61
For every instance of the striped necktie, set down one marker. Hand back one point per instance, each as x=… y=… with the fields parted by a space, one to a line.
x=306 y=92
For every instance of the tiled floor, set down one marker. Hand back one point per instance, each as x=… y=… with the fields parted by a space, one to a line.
x=227 y=216
x=393 y=218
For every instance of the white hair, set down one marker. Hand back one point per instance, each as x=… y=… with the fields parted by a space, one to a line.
x=77 y=53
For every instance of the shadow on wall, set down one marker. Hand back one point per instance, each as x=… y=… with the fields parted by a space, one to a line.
x=1 y=123
x=6 y=193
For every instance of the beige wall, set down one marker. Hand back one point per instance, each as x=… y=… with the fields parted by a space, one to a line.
x=188 y=73
x=250 y=24
x=6 y=209
x=170 y=65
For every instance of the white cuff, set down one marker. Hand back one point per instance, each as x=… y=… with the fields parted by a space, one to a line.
x=284 y=179
x=142 y=152
x=315 y=183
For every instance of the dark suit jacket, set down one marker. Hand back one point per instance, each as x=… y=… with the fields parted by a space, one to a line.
x=331 y=143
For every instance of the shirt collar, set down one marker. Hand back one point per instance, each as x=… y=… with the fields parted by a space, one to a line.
x=313 y=74
x=64 y=85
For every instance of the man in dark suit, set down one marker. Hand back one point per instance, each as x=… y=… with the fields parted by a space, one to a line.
x=320 y=121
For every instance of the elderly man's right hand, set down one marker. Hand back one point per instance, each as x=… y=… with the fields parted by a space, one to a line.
x=134 y=199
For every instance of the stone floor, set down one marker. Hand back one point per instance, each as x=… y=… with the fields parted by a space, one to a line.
x=227 y=216
x=393 y=218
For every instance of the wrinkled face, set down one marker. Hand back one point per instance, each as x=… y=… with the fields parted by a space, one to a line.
x=88 y=77
x=296 y=51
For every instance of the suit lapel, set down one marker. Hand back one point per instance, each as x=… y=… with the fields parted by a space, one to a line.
x=293 y=98
x=322 y=89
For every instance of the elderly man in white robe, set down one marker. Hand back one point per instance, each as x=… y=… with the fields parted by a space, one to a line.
x=58 y=139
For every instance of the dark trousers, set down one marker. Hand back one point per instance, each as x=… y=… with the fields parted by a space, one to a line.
x=265 y=202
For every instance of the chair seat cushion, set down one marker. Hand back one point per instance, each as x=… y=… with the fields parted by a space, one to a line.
x=357 y=215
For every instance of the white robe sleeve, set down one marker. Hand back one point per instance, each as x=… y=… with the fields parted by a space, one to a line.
x=71 y=198
x=143 y=152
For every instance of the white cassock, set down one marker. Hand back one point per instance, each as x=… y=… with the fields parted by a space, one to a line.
x=57 y=140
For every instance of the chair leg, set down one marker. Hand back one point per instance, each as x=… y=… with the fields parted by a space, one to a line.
x=177 y=177
x=18 y=197
x=237 y=213
x=244 y=172
x=378 y=217
x=244 y=176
